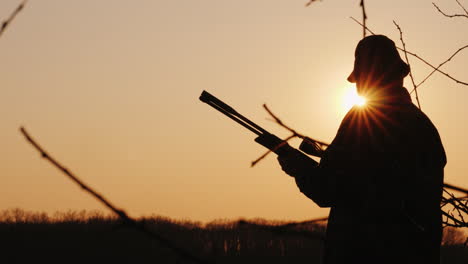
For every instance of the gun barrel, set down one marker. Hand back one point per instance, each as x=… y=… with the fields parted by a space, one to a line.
x=224 y=108
x=206 y=97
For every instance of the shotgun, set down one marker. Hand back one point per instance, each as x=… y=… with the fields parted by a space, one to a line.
x=264 y=138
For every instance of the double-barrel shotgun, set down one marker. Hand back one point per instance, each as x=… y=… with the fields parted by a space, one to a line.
x=265 y=138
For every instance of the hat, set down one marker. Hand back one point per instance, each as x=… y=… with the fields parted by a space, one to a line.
x=377 y=57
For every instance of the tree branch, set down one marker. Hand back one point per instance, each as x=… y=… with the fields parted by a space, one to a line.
x=454 y=15
x=454 y=204
x=121 y=213
x=8 y=21
x=455 y=188
x=421 y=59
x=458 y=206
x=464 y=9
x=438 y=67
x=365 y=27
x=435 y=68
x=277 y=120
x=310 y=2
x=407 y=61
x=364 y=18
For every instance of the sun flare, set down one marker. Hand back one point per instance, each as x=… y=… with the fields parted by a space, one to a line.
x=351 y=98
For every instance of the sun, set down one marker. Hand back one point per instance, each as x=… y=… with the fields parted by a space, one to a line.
x=351 y=98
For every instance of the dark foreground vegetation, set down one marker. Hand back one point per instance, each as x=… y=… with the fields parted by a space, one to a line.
x=92 y=237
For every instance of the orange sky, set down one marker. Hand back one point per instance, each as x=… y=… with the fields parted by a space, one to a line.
x=110 y=88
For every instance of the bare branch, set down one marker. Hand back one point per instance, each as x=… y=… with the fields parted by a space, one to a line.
x=310 y=2
x=453 y=198
x=277 y=120
x=455 y=188
x=438 y=67
x=451 y=205
x=407 y=61
x=457 y=205
x=464 y=9
x=318 y=144
x=454 y=15
x=70 y=175
x=121 y=213
x=435 y=68
x=421 y=59
x=8 y=21
x=366 y=28
x=364 y=18
x=456 y=222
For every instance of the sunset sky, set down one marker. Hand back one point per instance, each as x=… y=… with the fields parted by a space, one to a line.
x=110 y=88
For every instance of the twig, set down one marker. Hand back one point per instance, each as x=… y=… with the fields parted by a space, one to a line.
x=277 y=120
x=421 y=59
x=253 y=163
x=7 y=22
x=457 y=223
x=310 y=2
x=407 y=61
x=455 y=188
x=435 y=68
x=438 y=67
x=364 y=18
x=464 y=9
x=294 y=134
x=366 y=28
x=121 y=213
x=454 y=15
x=446 y=201
x=458 y=206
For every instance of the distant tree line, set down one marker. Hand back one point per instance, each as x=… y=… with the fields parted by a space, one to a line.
x=91 y=236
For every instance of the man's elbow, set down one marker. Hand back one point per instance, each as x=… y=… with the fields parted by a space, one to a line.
x=321 y=200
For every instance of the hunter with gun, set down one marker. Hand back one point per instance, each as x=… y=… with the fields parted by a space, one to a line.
x=382 y=175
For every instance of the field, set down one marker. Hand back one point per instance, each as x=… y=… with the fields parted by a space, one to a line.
x=91 y=237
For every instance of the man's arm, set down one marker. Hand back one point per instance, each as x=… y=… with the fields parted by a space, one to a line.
x=311 y=179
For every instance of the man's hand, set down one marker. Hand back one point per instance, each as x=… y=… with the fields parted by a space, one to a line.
x=296 y=163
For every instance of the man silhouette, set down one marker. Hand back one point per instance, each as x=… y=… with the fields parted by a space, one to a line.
x=382 y=175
